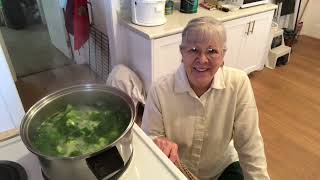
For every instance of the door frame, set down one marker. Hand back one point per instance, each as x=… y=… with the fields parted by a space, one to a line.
x=8 y=91
x=7 y=57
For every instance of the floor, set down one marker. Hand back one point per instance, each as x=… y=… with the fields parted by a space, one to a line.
x=288 y=100
x=31 y=50
x=32 y=88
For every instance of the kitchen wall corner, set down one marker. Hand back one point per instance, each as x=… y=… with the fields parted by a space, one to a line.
x=115 y=31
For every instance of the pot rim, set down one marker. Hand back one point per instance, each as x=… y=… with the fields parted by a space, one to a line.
x=76 y=88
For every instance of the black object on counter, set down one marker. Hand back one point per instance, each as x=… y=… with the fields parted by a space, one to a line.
x=10 y=170
x=224 y=9
x=189 y=6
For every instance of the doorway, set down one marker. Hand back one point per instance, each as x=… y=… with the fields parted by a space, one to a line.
x=39 y=49
x=34 y=34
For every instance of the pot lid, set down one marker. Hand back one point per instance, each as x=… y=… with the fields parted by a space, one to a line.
x=10 y=170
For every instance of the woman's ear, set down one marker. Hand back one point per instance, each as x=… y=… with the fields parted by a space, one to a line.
x=180 y=48
x=224 y=52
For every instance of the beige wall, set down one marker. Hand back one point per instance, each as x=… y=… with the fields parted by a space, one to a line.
x=99 y=15
x=311 y=19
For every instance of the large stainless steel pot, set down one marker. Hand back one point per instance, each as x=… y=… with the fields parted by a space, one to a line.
x=86 y=166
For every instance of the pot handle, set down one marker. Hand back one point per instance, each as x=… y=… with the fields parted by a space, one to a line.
x=101 y=166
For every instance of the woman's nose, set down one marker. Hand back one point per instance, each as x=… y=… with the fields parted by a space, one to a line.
x=202 y=58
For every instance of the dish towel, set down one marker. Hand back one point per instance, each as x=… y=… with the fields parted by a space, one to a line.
x=124 y=79
x=81 y=23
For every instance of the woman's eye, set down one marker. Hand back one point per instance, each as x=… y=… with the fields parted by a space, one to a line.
x=212 y=51
x=193 y=49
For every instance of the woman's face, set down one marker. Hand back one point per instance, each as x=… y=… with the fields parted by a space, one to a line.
x=201 y=58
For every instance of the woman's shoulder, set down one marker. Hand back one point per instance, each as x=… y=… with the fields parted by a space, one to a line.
x=233 y=71
x=163 y=83
x=234 y=76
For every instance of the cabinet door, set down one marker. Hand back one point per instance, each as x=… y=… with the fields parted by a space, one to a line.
x=255 y=43
x=235 y=31
x=166 y=56
x=11 y=109
x=56 y=26
x=6 y=120
x=138 y=53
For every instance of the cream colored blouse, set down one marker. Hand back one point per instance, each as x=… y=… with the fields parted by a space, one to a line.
x=205 y=128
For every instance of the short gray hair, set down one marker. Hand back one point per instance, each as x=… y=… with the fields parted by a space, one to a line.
x=204 y=27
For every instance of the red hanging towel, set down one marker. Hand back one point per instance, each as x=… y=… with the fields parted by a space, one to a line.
x=81 y=23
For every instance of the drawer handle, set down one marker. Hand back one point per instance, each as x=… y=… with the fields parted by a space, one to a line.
x=254 y=22
x=247 y=32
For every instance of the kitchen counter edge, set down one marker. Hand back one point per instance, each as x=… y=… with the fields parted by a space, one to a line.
x=177 y=21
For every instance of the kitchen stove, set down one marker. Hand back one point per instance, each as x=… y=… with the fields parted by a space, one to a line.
x=147 y=161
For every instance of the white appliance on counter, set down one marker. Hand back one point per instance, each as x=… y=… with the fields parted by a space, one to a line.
x=148 y=162
x=246 y=3
x=148 y=12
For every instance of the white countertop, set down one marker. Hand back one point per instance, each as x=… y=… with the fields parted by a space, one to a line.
x=177 y=21
x=148 y=162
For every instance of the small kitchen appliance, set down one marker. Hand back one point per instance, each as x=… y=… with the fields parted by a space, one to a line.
x=148 y=12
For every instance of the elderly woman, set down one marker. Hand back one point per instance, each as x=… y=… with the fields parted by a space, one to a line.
x=205 y=114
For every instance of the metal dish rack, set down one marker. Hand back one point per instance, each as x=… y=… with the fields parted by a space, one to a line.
x=99 y=56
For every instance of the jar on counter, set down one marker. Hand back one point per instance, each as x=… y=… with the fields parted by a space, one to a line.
x=169 y=7
x=189 y=6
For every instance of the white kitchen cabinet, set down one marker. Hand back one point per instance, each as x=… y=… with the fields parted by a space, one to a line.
x=167 y=55
x=151 y=59
x=234 y=30
x=11 y=109
x=6 y=122
x=247 y=41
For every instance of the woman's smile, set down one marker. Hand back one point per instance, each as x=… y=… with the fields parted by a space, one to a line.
x=200 y=69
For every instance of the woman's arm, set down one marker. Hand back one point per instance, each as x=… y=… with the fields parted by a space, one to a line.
x=247 y=138
x=152 y=124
